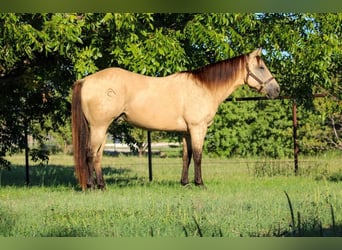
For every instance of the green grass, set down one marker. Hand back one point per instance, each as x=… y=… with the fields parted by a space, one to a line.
x=241 y=198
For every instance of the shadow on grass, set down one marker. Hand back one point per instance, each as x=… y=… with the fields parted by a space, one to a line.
x=57 y=175
x=51 y=175
x=335 y=177
x=63 y=176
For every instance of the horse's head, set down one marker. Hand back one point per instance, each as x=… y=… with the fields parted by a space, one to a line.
x=259 y=77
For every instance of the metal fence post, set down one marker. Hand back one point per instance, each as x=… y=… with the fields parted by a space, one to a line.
x=27 y=166
x=150 y=177
x=295 y=141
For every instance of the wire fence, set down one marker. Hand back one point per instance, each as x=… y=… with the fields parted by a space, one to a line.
x=168 y=156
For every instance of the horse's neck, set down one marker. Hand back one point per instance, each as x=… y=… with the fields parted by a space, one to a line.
x=222 y=93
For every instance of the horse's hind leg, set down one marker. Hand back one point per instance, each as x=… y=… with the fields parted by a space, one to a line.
x=97 y=142
x=98 y=170
x=90 y=164
x=187 y=154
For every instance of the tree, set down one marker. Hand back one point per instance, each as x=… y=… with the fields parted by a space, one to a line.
x=35 y=71
x=307 y=48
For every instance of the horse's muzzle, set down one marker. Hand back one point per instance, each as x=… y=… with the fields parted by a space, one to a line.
x=272 y=89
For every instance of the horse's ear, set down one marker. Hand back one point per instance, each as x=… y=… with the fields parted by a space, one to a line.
x=259 y=51
x=256 y=52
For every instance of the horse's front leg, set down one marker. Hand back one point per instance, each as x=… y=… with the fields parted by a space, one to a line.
x=198 y=171
x=197 y=139
x=187 y=154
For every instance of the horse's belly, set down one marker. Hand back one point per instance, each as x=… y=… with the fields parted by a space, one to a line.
x=156 y=121
x=156 y=109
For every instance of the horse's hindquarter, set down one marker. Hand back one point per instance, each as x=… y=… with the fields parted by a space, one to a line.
x=103 y=96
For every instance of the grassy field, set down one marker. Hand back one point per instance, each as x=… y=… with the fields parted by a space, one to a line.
x=242 y=197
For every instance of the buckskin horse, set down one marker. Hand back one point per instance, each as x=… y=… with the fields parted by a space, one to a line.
x=185 y=102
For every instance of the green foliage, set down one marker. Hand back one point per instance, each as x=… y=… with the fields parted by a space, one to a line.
x=143 y=48
x=40 y=155
x=4 y=164
x=245 y=129
x=320 y=127
x=308 y=49
x=35 y=75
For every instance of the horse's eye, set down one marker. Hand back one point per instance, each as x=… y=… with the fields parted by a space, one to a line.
x=262 y=67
